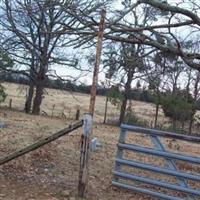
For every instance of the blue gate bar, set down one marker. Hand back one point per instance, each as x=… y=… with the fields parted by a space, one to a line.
x=157 y=183
x=145 y=191
x=165 y=154
x=158 y=169
x=167 y=134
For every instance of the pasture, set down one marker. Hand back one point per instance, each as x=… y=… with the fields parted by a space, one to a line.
x=68 y=102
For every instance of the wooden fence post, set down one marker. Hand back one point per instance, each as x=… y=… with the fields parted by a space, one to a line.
x=53 y=110
x=77 y=114
x=97 y=62
x=84 y=154
x=10 y=103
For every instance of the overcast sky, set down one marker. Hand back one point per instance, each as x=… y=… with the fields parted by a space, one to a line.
x=87 y=77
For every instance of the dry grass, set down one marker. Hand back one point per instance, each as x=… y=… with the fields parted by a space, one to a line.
x=68 y=103
x=45 y=173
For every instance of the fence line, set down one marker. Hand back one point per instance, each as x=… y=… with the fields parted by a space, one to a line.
x=40 y=143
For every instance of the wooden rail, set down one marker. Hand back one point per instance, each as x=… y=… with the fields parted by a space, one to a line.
x=41 y=142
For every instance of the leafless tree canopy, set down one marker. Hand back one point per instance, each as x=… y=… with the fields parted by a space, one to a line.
x=160 y=32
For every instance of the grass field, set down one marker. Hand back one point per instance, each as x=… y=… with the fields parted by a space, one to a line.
x=51 y=173
x=67 y=103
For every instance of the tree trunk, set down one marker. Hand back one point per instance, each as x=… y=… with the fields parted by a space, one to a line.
x=106 y=108
x=28 y=103
x=182 y=126
x=123 y=110
x=196 y=92
x=174 y=124
x=191 y=124
x=29 y=98
x=38 y=97
x=126 y=96
x=157 y=107
x=156 y=117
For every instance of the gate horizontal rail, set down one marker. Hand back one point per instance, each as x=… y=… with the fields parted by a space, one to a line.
x=165 y=154
x=159 y=151
x=145 y=191
x=155 y=132
x=156 y=183
x=158 y=169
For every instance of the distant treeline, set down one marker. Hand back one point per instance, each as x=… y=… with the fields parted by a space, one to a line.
x=68 y=85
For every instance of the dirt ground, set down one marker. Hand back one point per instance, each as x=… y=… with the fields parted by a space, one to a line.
x=51 y=172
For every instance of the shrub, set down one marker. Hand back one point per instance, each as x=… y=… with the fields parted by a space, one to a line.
x=115 y=96
x=132 y=119
x=3 y=95
x=177 y=107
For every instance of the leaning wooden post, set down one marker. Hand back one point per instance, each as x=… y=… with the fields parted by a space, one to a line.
x=97 y=62
x=84 y=157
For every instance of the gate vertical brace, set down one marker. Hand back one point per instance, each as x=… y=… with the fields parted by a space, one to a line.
x=84 y=154
x=119 y=153
x=171 y=164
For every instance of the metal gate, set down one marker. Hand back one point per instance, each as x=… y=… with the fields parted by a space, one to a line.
x=147 y=185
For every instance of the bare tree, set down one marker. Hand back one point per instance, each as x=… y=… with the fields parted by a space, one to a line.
x=154 y=79
x=161 y=36
x=195 y=90
x=32 y=24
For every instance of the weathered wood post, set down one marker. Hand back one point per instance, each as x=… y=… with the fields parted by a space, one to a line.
x=97 y=62
x=87 y=126
x=10 y=103
x=77 y=114
x=84 y=154
x=53 y=110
